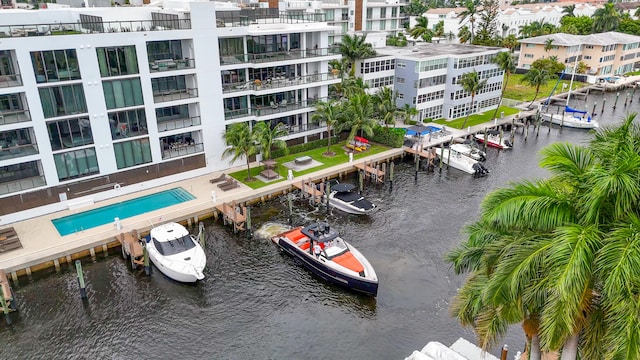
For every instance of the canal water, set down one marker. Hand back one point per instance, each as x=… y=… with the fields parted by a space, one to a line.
x=257 y=303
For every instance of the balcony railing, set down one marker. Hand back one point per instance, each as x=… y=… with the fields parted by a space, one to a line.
x=296 y=129
x=92 y=27
x=247 y=17
x=14 y=116
x=171 y=64
x=10 y=80
x=16 y=151
x=178 y=150
x=274 y=108
x=22 y=184
x=277 y=82
x=175 y=94
x=166 y=125
x=278 y=56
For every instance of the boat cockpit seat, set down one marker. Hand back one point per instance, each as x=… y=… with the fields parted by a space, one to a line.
x=296 y=236
x=305 y=246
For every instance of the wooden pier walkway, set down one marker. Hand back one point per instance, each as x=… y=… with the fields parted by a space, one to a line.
x=7 y=300
x=371 y=171
x=132 y=248
x=234 y=215
x=309 y=189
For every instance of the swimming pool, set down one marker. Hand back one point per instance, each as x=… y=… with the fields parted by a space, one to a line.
x=126 y=209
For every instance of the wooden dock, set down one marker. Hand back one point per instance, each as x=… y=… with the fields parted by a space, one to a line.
x=7 y=301
x=233 y=215
x=309 y=189
x=371 y=171
x=132 y=248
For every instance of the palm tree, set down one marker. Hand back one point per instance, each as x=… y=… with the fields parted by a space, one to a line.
x=341 y=66
x=568 y=10
x=408 y=112
x=637 y=12
x=330 y=114
x=269 y=137
x=606 y=18
x=510 y=42
x=353 y=85
x=471 y=83
x=421 y=29
x=438 y=30
x=385 y=104
x=548 y=45
x=537 y=78
x=469 y=14
x=562 y=251
x=358 y=115
x=241 y=141
x=355 y=48
x=506 y=63
x=464 y=35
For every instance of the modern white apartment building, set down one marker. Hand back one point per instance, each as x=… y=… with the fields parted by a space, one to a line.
x=352 y=16
x=100 y=98
x=511 y=17
x=427 y=77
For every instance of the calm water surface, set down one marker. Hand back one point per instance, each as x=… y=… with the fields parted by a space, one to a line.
x=257 y=303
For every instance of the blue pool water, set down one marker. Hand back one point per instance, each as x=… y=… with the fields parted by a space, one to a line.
x=126 y=209
x=426 y=130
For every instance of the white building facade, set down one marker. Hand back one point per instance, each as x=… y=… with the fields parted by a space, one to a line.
x=103 y=98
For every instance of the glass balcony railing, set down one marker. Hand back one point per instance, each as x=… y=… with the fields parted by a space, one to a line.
x=92 y=27
x=10 y=80
x=296 y=129
x=13 y=186
x=14 y=116
x=178 y=150
x=278 y=56
x=166 y=125
x=273 y=108
x=246 y=17
x=171 y=64
x=277 y=82
x=174 y=94
x=15 y=151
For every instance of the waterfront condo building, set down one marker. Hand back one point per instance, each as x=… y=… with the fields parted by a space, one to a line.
x=99 y=102
x=427 y=77
x=604 y=54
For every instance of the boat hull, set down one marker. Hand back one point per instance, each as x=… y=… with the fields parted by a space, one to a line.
x=493 y=141
x=358 y=284
x=570 y=121
x=173 y=274
x=461 y=162
x=348 y=208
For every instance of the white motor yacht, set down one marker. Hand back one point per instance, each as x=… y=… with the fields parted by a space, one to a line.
x=176 y=253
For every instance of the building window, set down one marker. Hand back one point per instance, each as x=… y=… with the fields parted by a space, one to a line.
x=114 y=61
x=400 y=80
x=127 y=123
x=55 y=65
x=62 y=100
x=69 y=133
x=77 y=163
x=401 y=65
x=132 y=153
x=587 y=57
x=369 y=13
x=122 y=93
x=531 y=45
x=589 y=46
x=230 y=46
x=528 y=56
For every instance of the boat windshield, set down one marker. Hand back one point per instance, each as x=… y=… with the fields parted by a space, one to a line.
x=175 y=246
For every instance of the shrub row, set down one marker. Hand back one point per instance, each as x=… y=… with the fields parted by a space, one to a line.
x=393 y=137
x=294 y=149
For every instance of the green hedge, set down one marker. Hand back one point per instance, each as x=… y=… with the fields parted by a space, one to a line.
x=303 y=147
x=393 y=137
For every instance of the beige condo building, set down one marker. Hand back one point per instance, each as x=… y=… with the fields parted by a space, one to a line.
x=610 y=53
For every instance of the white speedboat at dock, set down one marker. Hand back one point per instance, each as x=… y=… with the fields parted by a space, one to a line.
x=470 y=151
x=461 y=162
x=176 y=253
x=346 y=198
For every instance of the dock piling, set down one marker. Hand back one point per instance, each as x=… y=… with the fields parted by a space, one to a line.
x=361 y=180
x=391 y=176
x=201 y=234
x=328 y=191
x=604 y=100
x=145 y=260
x=83 y=289
x=290 y=200
x=249 y=234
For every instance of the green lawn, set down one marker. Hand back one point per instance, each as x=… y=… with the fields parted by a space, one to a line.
x=340 y=157
x=519 y=90
x=476 y=119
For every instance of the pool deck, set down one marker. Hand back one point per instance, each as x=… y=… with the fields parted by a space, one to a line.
x=41 y=242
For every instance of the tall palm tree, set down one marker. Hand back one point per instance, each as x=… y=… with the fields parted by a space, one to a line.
x=358 y=115
x=471 y=83
x=438 y=30
x=408 y=112
x=421 y=29
x=353 y=85
x=329 y=113
x=606 y=18
x=569 y=10
x=565 y=249
x=268 y=137
x=506 y=63
x=537 y=78
x=510 y=42
x=355 y=48
x=548 y=45
x=241 y=141
x=469 y=15
x=464 y=34
x=385 y=104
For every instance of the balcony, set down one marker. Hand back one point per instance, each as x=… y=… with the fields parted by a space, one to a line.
x=12 y=186
x=181 y=149
x=181 y=123
x=292 y=54
x=171 y=64
x=11 y=151
x=246 y=17
x=14 y=116
x=277 y=82
x=273 y=108
x=92 y=27
x=10 y=80
x=174 y=94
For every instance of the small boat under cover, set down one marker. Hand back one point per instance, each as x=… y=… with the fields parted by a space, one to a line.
x=346 y=198
x=176 y=253
x=338 y=261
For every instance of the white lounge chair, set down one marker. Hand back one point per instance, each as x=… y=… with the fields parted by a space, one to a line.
x=283 y=103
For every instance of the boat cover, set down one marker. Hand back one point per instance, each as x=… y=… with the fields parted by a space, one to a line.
x=571 y=110
x=342 y=187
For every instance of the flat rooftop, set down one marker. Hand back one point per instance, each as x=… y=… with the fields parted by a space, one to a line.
x=429 y=50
